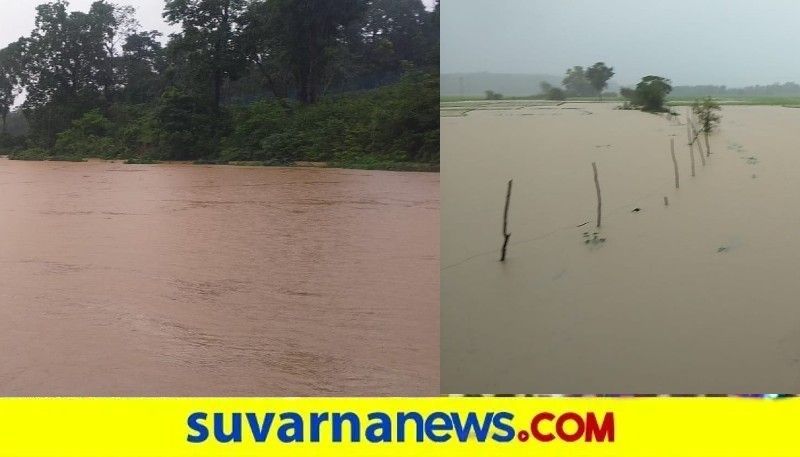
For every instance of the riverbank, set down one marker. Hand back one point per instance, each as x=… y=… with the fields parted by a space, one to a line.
x=356 y=165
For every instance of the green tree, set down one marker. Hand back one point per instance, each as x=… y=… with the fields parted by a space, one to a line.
x=707 y=112
x=67 y=64
x=309 y=32
x=598 y=76
x=576 y=82
x=9 y=82
x=651 y=92
x=264 y=50
x=141 y=67
x=208 y=41
x=492 y=95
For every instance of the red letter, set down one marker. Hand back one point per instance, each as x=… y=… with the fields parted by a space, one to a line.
x=600 y=432
x=560 y=427
x=535 y=427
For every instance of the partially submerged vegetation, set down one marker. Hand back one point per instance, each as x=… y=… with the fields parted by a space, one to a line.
x=649 y=95
x=239 y=83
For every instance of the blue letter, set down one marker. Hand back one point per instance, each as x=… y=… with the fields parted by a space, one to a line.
x=338 y=420
x=295 y=425
x=499 y=424
x=431 y=427
x=260 y=432
x=194 y=424
x=236 y=429
x=472 y=425
x=383 y=425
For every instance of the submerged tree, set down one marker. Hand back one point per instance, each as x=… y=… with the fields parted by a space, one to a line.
x=707 y=114
x=576 y=83
x=598 y=76
x=649 y=94
x=492 y=95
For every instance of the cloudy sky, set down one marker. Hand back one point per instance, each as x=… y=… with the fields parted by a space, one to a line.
x=17 y=16
x=732 y=42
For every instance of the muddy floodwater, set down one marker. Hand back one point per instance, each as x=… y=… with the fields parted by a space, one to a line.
x=699 y=296
x=189 y=280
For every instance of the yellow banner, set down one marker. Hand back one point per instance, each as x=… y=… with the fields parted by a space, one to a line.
x=400 y=426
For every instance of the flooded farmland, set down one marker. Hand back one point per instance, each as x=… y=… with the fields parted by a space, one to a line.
x=191 y=280
x=698 y=296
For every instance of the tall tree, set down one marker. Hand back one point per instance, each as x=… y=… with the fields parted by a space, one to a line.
x=598 y=76
x=576 y=82
x=141 y=66
x=208 y=39
x=264 y=50
x=309 y=32
x=111 y=24
x=9 y=81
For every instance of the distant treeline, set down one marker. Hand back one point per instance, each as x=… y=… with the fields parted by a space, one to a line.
x=776 y=90
x=275 y=81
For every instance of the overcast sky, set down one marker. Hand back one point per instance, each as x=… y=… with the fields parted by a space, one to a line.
x=731 y=42
x=16 y=16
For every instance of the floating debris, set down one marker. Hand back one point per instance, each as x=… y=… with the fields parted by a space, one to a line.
x=636 y=210
x=593 y=239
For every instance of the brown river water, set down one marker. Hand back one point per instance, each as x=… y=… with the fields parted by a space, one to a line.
x=189 y=280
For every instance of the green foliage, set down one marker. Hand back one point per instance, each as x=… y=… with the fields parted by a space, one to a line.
x=185 y=126
x=598 y=76
x=29 y=154
x=649 y=94
x=555 y=93
x=707 y=114
x=363 y=75
x=394 y=123
x=492 y=95
x=89 y=136
x=577 y=83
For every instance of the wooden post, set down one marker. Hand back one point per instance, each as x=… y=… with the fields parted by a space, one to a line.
x=674 y=162
x=699 y=146
x=666 y=201
x=599 y=199
x=693 y=136
x=691 y=146
x=506 y=235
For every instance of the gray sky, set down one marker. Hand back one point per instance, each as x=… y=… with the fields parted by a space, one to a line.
x=17 y=16
x=731 y=42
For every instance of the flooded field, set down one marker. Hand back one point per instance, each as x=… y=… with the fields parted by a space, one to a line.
x=187 y=280
x=698 y=296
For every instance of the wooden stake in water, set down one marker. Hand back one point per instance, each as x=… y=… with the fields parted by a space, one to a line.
x=666 y=201
x=674 y=162
x=699 y=146
x=599 y=198
x=693 y=135
x=506 y=235
x=691 y=146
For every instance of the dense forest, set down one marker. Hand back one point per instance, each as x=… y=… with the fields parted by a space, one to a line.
x=349 y=82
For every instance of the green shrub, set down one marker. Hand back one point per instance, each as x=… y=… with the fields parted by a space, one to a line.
x=29 y=154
